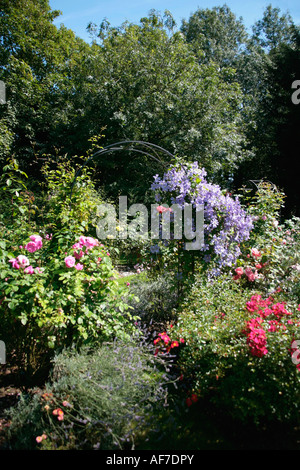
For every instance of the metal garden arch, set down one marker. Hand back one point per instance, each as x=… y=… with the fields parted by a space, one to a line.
x=136 y=146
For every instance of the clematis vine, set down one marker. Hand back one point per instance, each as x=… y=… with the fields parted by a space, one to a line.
x=226 y=223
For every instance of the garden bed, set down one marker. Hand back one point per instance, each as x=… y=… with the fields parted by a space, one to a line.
x=200 y=428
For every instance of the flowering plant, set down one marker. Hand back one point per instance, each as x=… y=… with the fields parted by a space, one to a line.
x=238 y=349
x=54 y=299
x=58 y=286
x=164 y=344
x=97 y=398
x=270 y=257
x=226 y=223
x=270 y=317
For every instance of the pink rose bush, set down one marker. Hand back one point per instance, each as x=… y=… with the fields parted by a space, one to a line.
x=81 y=248
x=253 y=269
x=61 y=295
x=22 y=262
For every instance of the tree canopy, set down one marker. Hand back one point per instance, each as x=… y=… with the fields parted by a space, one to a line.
x=206 y=91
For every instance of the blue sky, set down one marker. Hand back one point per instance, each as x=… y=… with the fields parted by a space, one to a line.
x=78 y=13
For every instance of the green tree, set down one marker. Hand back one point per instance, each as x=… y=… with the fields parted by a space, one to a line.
x=215 y=35
x=269 y=66
x=273 y=29
x=45 y=72
x=148 y=85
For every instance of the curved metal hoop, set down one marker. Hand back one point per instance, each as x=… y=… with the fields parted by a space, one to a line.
x=256 y=183
x=122 y=146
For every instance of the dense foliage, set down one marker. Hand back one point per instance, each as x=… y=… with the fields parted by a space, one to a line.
x=58 y=283
x=99 y=399
x=185 y=88
x=120 y=360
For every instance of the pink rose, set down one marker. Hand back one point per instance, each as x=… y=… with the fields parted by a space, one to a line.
x=23 y=261
x=78 y=255
x=77 y=246
x=250 y=274
x=90 y=242
x=239 y=271
x=79 y=266
x=70 y=261
x=82 y=240
x=14 y=263
x=35 y=244
x=29 y=270
x=162 y=209
x=37 y=239
x=31 y=247
x=255 y=253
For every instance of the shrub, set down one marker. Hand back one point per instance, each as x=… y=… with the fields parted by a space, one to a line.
x=153 y=300
x=103 y=398
x=239 y=358
x=270 y=257
x=68 y=204
x=66 y=299
x=17 y=205
x=59 y=288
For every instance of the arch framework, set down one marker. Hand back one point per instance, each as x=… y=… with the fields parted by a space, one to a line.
x=145 y=148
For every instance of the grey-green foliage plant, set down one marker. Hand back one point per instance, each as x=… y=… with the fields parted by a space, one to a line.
x=108 y=397
x=155 y=297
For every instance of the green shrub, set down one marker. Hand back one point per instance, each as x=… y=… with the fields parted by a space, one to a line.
x=103 y=398
x=218 y=363
x=270 y=258
x=65 y=291
x=17 y=205
x=154 y=299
